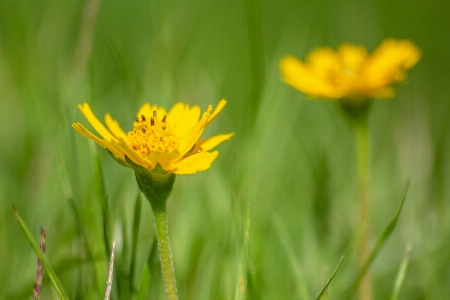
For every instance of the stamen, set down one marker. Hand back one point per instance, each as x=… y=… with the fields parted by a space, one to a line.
x=156 y=134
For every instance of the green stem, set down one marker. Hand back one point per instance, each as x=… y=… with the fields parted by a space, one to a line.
x=254 y=33
x=365 y=289
x=162 y=235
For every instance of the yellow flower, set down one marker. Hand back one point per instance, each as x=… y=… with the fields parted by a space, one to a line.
x=350 y=72
x=168 y=139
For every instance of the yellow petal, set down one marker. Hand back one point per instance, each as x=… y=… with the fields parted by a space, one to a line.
x=114 y=127
x=80 y=128
x=210 y=143
x=299 y=76
x=145 y=110
x=162 y=158
x=183 y=117
x=389 y=62
x=133 y=155
x=192 y=164
x=177 y=110
x=98 y=126
x=323 y=61
x=218 y=109
x=194 y=134
x=111 y=146
x=352 y=57
x=155 y=158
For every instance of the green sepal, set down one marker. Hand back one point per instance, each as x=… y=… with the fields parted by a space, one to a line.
x=357 y=110
x=118 y=159
x=156 y=184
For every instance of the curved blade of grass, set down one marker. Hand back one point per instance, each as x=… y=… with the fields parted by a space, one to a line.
x=387 y=232
x=401 y=272
x=242 y=280
x=301 y=288
x=48 y=268
x=99 y=184
x=87 y=246
x=122 y=276
x=136 y=222
x=98 y=176
x=329 y=281
x=106 y=223
x=146 y=275
x=81 y=232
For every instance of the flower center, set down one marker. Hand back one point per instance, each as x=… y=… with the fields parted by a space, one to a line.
x=151 y=134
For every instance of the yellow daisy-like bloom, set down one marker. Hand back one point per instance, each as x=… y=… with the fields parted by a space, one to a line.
x=350 y=72
x=168 y=139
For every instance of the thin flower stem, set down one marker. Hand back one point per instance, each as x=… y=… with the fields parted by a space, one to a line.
x=365 y=288
x=162 y=235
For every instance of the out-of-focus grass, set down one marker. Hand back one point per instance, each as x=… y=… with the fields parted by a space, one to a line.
x=295 y=165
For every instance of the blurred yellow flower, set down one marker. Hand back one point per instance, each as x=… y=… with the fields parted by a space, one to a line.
x=168 y=139
x=350 y=72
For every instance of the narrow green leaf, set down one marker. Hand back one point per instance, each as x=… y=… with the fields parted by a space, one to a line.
x=102 y=197
x=401 y=272
x=136 y=222
x=106 y=224
x=146 y=275
x=48 y=268
x=81 y=232
x=387 y=232
x=98 y=176
x=121 y=273
x=329 y=281
x=242 y=280
x=87 y=246
x=302 y=291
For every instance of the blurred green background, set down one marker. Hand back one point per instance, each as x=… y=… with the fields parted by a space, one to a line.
x=290 y=166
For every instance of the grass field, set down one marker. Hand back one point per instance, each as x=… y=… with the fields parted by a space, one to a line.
x=278 y=209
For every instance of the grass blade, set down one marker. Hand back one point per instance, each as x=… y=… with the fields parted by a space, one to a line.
x=102 y=197
x=122 y=276
x=329 y=281
x=106 y=225
x=98 y=176
x=401 y=272
x=81 y=232
x=38 y=283
x=86 y=245
x=136 y=222
x=301 y=288
x=48 y=268
x=242 y=280
x=387 y=232
x=147 y=273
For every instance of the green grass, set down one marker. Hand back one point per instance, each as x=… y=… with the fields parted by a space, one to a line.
x=289 y=172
